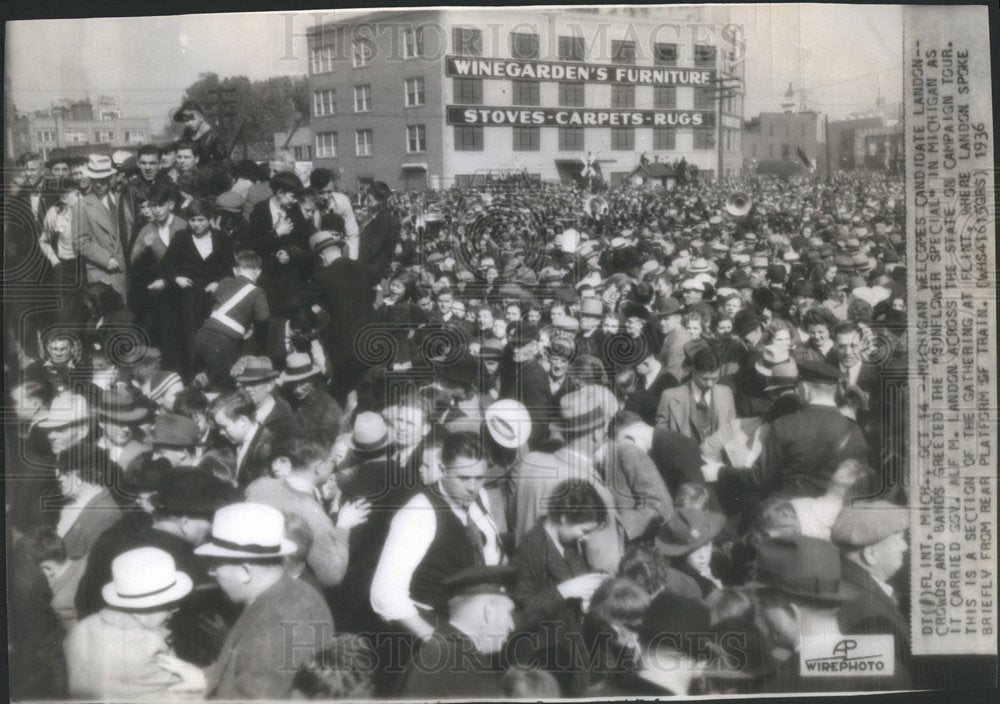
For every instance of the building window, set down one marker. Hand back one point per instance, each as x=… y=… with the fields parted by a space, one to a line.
x=76 y=136
x=571 y=139
x=704 y=56
x=784 y=151
x=413 y=43
x=704 y=99
x=135 y=136
x=362 y=98
x=414 y=88
x=363 y=142
x=416 y=139
x=326 y=145
x=665 y=54
x=770 y=151
x=527 y=139
x=364 y=52
x=571 y=95
x=523 y=45
x=704 y=139
x=623 y=96
x=104 y=136
x=664 y=138
x=571 y=48
x=468 y=138
x=665 y=97
x=468 y=91
x=526 y=92
x=303 y=152
x=46 y=135
x=467 y=41
x=321 y=59
x=622 y=138
x=622 y=51
x=324 y=102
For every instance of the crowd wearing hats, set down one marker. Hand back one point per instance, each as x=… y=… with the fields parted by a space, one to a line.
x=536 y=443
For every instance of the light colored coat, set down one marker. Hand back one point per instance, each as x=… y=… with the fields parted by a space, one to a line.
x=100 y=241
x=110 y=655
x=674 y=410
x=538 y=475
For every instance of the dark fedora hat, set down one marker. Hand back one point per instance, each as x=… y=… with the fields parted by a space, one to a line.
x=817 y=371
x=675 y=622
x=253 y=370
x=582 y=411
x=120 y=407
x=802 y=566
x=463 y=371
x=688 y=529
x=667 y=307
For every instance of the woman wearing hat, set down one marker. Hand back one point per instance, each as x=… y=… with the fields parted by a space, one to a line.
x=113 y=653
x=687 y=540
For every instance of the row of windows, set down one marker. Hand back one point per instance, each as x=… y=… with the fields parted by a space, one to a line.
x=325 y=101
x=327 y=145
x=100 y=136
x=468 y=41
x=469 y=138
x=786 y=151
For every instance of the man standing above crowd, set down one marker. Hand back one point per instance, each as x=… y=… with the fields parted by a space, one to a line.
x=99 y=227
x=380 y=235
x=209 y=145
x=334 y=203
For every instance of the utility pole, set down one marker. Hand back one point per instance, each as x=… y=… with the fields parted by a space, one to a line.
x=727 y=87
x=222 y=105
x=826 y=137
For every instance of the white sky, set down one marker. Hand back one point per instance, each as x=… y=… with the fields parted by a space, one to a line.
x=843 y=54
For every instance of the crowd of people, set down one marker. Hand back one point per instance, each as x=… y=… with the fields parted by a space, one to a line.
x=518 y=439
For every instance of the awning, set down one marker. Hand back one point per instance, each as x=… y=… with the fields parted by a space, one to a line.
x=570 y=162
x=416 y=166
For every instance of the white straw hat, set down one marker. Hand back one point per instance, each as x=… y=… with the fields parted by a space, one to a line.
x=247 y=531
x=145 y=578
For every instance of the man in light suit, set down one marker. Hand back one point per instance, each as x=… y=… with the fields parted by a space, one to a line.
x=700 y=407
x=100 y=231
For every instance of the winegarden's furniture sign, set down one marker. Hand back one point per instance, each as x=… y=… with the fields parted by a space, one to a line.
x=466 y=67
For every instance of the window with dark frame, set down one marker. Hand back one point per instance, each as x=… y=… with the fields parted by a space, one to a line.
x=704 y=98
x=467 y=41
x=665 y=97
x=622 y=51
x=524 y=45
x=527 y=138
x=664 y=138
x=416 y=139
x=572 y=49
x=413 y=43
x=525 y=92
x=704 y=139
x=622 y=96
x=622 y=139
x=571 y=139
x=468 y=91
x=704 y=56
x=665 y=54
x=468 y=138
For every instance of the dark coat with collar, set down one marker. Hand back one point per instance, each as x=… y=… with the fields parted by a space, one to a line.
x=257 y=461
x=378 y=243
x=282 y=282
x=256 y=661
x=448 y=665
x=528 y=383
x=342 y=289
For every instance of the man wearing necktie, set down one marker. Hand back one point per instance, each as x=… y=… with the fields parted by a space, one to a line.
x=700 y=407
x=99 y=237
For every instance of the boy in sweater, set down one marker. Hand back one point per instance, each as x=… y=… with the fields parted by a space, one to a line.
x=238 y=304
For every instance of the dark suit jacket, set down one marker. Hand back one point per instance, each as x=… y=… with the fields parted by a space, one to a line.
x=282 y=282
x=99 y=514
x=341 y=288
x=528 y=383
x=257 y=461
x=378 y=243
x=281 y=419
x=645 y=401
x=182 y=259
x=541 y=569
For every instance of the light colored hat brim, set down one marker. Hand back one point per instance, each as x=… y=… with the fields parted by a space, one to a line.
x=212 y=550
x=181 y=588
x=285 y=378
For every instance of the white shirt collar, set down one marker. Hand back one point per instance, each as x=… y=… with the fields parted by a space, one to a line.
x=265 y=407
x=651 y=377
x=890 y=592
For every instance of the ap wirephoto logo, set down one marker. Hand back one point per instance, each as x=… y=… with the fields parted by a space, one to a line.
x=848 y=656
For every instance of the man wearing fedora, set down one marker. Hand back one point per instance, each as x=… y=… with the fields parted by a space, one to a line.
x=113 y=654
x=209 y=145
x=523 y=378
x=258 y=659
x=339 y=286
x=669 y=313
x=99 y=227
x=313 y=408
x=118 y=418
x=177 y=439
x=584 y=427
x=590 y=339
x=258 y=379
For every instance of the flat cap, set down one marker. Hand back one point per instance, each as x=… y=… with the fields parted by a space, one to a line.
x=486 y=579
x=818 y=371
x=868 y=522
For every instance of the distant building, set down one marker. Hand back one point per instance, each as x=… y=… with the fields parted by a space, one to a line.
x=435 y=98
x=880 y=148
x=781 y=142
x=77 y=125
x=844 y=154
x=656 y=174
x=300 y=143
